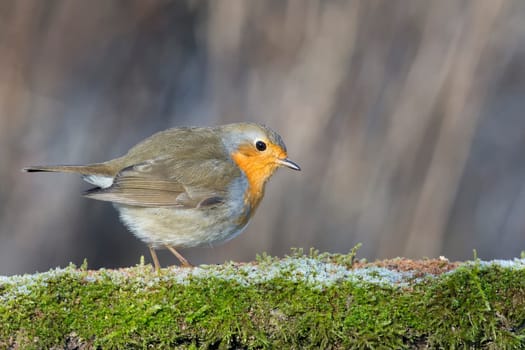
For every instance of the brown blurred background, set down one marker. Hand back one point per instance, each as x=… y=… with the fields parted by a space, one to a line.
x=406 y=117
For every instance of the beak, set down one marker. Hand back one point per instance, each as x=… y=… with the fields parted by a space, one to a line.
x=288 y=163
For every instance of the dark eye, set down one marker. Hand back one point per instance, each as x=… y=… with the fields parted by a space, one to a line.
x=260 y=145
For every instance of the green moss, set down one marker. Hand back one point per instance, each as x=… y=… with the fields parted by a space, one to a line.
x=302 y=302
x=479 y=307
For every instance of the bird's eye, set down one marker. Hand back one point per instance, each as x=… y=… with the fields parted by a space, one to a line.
x=260 y=145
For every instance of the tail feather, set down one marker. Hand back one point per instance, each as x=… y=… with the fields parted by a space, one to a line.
x=92 y=169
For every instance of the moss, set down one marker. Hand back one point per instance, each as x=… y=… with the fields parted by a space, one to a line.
x=310 y=302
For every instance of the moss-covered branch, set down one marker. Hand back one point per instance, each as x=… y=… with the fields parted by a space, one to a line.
x=315 y=301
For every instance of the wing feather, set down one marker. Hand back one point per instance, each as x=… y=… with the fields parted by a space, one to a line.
x=168 y=182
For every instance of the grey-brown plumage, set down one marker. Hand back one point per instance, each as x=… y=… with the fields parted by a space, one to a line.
x=183 y=172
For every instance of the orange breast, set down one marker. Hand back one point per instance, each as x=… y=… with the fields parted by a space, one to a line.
x=258 y=170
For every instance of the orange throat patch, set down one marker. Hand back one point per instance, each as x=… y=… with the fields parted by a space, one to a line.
x=257 y=170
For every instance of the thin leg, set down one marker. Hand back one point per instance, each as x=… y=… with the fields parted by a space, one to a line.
x=182 y=259
x=155 y=259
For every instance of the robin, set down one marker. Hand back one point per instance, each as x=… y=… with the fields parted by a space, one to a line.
x=187 y=187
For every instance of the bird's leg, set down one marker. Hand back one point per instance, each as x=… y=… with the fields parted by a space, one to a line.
x=155 y=259
x=182 y=259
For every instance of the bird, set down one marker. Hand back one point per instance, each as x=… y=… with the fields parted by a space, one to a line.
x=188 y=186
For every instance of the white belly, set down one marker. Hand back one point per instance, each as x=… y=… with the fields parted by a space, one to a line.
x=182 y=227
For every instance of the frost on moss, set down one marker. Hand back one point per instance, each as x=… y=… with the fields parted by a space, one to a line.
x=301 y=301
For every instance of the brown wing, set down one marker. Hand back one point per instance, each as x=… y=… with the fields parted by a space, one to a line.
x=168 y=182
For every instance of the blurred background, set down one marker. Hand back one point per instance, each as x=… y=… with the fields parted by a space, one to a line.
x=406 y=117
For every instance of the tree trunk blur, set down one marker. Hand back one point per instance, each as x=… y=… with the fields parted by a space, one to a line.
x=405 y=116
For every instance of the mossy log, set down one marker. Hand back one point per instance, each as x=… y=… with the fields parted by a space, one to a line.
x=300 y=301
